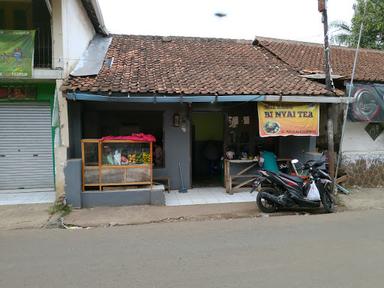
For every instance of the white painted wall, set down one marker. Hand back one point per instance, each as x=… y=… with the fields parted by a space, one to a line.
x=356 y=139
x=77 y=32
x=362 y=158
x=72 y=32
x=57 y=35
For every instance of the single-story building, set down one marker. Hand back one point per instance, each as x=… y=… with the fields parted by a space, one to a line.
x=363 y=145
x=199 y=97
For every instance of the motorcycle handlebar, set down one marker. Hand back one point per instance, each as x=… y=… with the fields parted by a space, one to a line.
x=313 y=164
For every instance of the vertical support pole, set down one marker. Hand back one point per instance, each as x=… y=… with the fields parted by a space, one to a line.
x=151 y=162
x=99 y=156
x=82 y=166
x=328 y=82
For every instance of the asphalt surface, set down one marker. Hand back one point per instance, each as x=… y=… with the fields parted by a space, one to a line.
x=335 y=250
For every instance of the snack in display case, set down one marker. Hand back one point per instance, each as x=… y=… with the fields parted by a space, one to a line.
x=117 y=161
x=123 y=154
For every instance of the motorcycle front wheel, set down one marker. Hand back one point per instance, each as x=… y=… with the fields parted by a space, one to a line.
x=326 y=199
x=263 y=204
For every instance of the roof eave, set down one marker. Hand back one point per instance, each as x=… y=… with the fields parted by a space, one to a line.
x=146 y=98
x=93 y=7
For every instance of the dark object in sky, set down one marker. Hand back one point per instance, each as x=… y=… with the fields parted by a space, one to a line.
x=321 y=6
x=220 y=14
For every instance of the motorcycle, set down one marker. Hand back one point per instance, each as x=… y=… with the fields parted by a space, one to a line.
x=283 y=191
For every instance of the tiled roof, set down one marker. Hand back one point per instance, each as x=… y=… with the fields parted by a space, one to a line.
x=193 y=66
x=309 y=58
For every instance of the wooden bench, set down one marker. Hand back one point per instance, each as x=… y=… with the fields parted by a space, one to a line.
x=166 y=181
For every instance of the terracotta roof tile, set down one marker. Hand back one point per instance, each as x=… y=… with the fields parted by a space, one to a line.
x=309 y=58
x=194 y=66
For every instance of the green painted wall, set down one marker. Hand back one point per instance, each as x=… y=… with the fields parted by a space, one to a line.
x=45 y=91
x=208 y=126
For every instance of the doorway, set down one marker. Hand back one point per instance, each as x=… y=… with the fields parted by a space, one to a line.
x=207 y=149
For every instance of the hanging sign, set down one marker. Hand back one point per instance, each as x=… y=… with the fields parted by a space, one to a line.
x=16 y=53
x=18 y=93
x=278 y=119
x=374 y=130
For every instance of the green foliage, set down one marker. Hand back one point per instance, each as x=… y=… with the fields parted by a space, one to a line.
x=373 y=29
x=373 y=26
x=60 y=207
x=341 y=33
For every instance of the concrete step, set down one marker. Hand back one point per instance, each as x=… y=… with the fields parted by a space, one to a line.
x=28 y=197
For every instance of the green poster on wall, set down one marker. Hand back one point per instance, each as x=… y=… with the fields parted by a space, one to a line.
x=16 y=53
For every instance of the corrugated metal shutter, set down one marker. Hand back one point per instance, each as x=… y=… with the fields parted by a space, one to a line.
x=25 y=147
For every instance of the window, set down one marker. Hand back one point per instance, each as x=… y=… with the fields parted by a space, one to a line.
x=2 y=19
x=20 y=19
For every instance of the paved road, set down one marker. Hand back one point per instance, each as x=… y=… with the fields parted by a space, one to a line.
x=339 y=250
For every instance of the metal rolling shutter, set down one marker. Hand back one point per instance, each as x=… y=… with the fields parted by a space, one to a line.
x=25 y=147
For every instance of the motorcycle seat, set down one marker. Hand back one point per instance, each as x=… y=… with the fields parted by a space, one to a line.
x=296 y=179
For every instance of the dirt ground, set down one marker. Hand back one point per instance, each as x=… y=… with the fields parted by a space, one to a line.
x=24 y=216
x=37 y=216
x=363 y=198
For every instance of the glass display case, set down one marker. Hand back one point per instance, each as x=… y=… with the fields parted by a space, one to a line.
x=116 y=163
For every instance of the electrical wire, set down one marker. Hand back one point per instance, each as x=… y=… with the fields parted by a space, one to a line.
x=349 y=97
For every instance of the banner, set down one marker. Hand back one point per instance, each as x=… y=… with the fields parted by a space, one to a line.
x=18 y=93
x=16 y=53
x=277 y=119
x=368 y=103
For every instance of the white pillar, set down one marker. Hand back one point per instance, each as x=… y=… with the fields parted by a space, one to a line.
x=62 y=142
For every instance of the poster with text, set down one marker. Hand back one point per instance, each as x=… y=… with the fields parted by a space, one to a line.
x=16 y=53
x=278 y=119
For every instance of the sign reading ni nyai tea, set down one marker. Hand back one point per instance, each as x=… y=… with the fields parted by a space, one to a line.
x=280 y=119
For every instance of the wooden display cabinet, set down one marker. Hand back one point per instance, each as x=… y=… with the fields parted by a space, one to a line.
x=116 y=163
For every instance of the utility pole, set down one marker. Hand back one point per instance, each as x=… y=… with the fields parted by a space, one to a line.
x=322 y=5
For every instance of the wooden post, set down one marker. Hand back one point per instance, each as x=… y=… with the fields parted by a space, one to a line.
x=100 y=157
x=329 y=86
x=82 y=167
x=151 y=163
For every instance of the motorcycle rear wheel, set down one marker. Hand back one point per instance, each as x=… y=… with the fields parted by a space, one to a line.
x=326 y=199
x=263 y=204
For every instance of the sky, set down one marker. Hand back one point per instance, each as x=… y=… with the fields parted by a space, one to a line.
x=245 y=19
